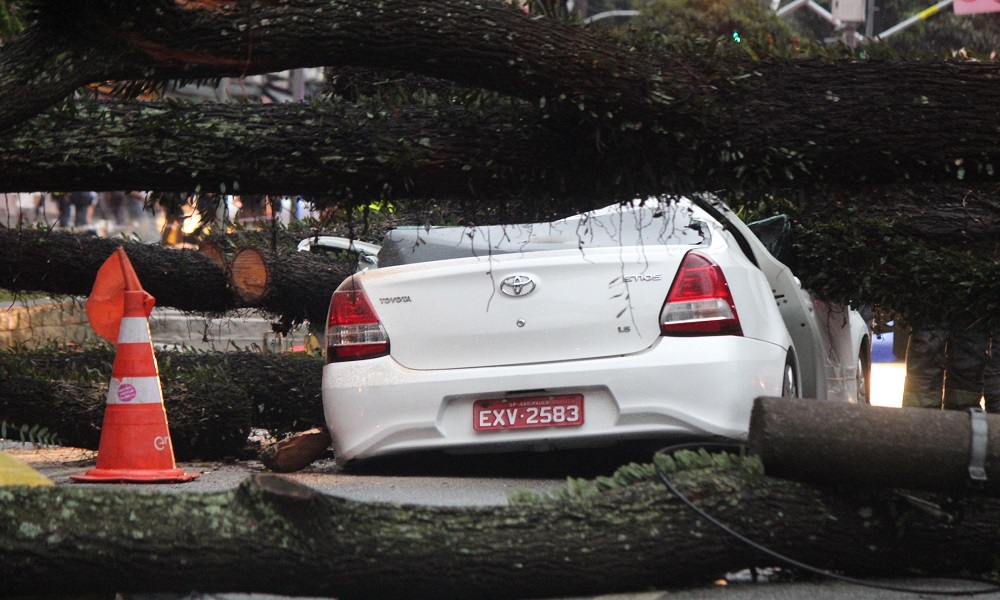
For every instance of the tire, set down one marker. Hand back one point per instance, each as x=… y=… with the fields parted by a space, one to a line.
x=864 y=374
x=790 y=379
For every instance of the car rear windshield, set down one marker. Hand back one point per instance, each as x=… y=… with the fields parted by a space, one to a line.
x=671 y=224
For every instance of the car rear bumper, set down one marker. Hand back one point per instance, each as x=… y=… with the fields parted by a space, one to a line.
x=679 y=388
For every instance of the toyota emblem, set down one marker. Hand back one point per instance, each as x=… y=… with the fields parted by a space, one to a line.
x=517 y=285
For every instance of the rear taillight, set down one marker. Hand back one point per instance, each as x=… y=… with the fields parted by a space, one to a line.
x=699 y=302
x=353 y=331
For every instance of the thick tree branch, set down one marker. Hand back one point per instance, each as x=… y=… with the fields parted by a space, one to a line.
x=779 y=121
x=64 y=263
x=867 y=121
x=41 y=68
x=298 y=284
x=273 y=535
x=333 y=149
x=308 y=149
x=489 y=44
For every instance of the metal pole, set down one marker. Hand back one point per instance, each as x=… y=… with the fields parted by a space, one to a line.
x=791 y=6
x=929 y=12
x=611 y=13
x=827 y=16
x=297 y=84
x=870 y=20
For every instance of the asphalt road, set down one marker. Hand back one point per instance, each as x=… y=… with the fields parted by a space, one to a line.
x=432 y=487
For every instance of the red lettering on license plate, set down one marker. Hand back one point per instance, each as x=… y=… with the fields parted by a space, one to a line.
x=565 y=410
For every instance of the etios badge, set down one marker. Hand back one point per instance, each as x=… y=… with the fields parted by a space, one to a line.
x=517 y=285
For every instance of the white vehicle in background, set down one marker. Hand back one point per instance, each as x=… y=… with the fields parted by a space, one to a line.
x=340 y=247
x=658 y=320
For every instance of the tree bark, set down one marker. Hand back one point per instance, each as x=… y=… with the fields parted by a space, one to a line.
x=662 y=120
x=833 y=443
x=213 y=400
x=326 y=149
x=629 y=534
x=40 y=68
x=297 y=285
x=320 y=150
x=491 y=45
x=61 y=262
x=946 y=216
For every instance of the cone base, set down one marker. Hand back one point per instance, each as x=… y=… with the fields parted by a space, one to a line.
x=135 y=476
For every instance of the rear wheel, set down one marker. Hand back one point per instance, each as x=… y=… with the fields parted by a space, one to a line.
x=789 y=379
x=864 y=375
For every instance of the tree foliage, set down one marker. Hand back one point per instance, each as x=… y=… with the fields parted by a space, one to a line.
x=752 y=22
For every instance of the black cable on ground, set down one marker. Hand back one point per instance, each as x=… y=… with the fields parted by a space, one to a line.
x=991 y=586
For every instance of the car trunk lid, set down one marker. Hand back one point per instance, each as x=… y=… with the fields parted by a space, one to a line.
x=522 y=309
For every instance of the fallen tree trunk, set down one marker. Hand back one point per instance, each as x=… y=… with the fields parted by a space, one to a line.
x=296 y=285
x=710 y=114
x=213 y=399
x=628 y=533
x=955 y=217
x=872 y=446
x=65 y=263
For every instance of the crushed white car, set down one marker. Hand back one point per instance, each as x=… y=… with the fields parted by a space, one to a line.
x=659 y=320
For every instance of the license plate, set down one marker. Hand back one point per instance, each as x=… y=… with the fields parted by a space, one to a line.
x=527 y=413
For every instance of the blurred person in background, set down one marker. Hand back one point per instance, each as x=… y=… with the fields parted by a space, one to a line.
x=954 y=368
x=75 y=206
x=64 y=206
x=111 y=207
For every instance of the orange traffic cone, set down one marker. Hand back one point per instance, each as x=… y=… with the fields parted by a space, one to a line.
x=135 y=441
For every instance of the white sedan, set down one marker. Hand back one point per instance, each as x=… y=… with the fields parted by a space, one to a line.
x=660 y=320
